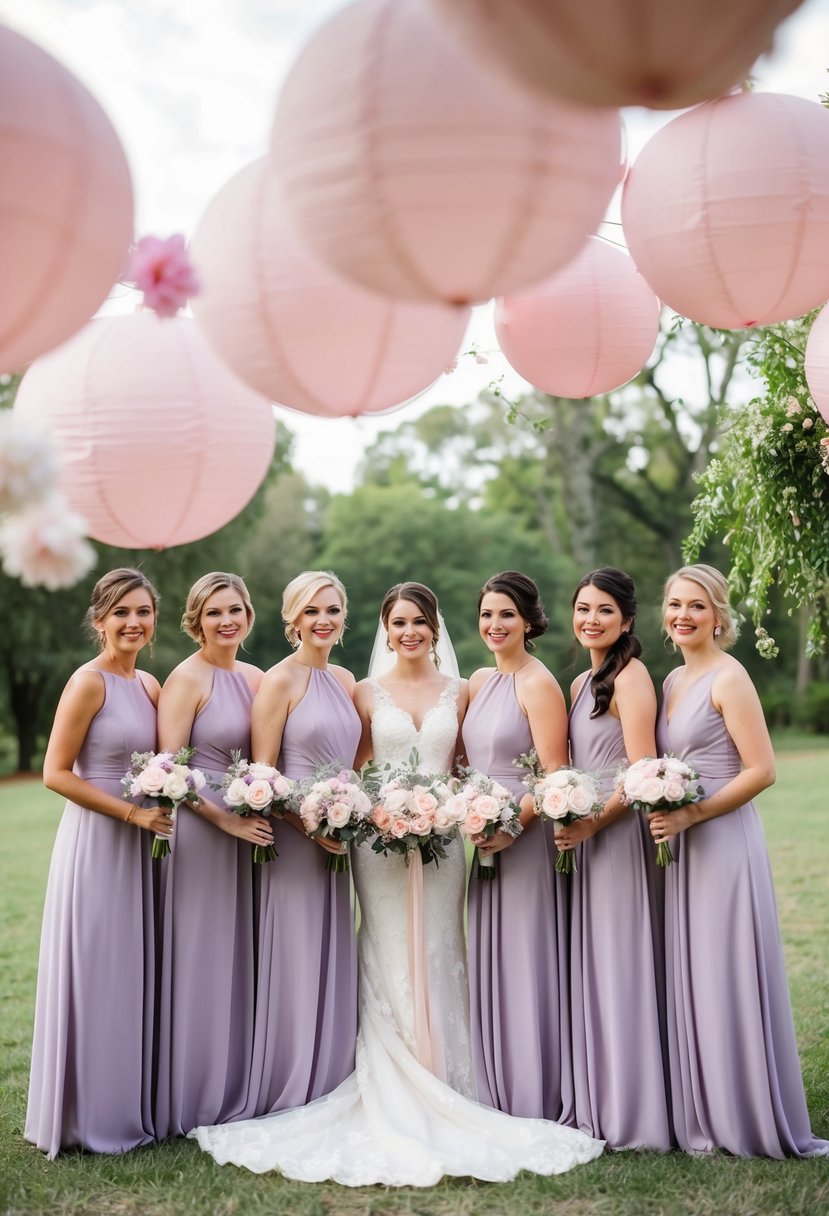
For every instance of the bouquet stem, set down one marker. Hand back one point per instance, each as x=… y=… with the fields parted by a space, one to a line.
x=337 y=863
x=664 y=856
x=566 y=862
x=161 y=847
x=263 y=853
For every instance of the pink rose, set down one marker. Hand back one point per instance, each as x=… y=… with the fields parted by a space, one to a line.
x=474 y=823
x=425 y=803
x=259 y=794
x=421 y=825
x=487 y=807
x=152 y=780
x=650 y=768
x=651 y=790
x=281 y=786
x=400 y=827
x=580 y=799
x=310 y=818
x=674 y=790
x=554 y=803
x=339 y=814
x=381 y=818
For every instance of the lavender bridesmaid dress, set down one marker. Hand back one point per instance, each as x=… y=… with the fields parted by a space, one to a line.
x=617 y=1059
x=93 y=1038
x=205 y=1026
x=735 y=1073
x=518 y=931
x=305 y=1026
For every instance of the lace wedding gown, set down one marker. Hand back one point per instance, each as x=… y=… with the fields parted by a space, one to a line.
x=393 y=1121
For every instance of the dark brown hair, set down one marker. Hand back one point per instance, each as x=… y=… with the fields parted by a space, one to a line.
x=622 y=590
x=524 y=593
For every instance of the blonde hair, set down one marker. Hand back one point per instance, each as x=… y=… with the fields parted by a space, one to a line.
x=299 y=593
x=715 y=586
x=201 y=592
x=111 y=588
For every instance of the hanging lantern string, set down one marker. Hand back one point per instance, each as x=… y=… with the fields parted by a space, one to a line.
x=162 y=270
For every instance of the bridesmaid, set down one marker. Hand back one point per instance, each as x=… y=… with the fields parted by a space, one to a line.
x=518 y=922
x=617 y=1063
x=205 y=1024
x=735 y=1073
x=306 y=1000
x=92 y=1051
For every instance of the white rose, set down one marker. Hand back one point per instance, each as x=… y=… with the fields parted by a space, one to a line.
x=580 y=798
x=339 y=814
x=175 y=787
x=152 y=780
x=488 y=807
x=395 y=801
x=260 y=772
x=554 y=803
x=198 y=778
x=556 y=780
x=236 y=793
x=259 y=795
x=651 y=790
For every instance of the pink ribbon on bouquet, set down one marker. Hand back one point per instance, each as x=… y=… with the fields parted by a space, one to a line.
x=419 y=964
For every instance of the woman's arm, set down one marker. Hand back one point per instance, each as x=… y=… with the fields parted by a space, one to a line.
x=734 y=695
x=82 y=698
x=364 y=704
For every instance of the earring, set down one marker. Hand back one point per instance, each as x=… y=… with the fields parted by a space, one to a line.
x=717 y=630
x=526 y=629
x=388 y=644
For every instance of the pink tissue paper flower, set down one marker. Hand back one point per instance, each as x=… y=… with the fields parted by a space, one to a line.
x=163 y=271
x=46 y=545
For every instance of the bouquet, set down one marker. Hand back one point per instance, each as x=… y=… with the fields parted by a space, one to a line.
x=484 y=807
x=256 y=789
x=333 y=803
x=411 y=810
x=652 y=785
x=166 y=777
x=565 y=795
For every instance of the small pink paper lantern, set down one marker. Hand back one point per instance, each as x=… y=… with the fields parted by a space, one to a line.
x=726 y=210
x=658 y=53
x=817 y=363
x=413 y=169
x=65 y=203
x=585 y=331
x=160 y=443
x=296 y=331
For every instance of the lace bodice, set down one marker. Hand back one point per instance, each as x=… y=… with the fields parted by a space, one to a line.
x=393 y=732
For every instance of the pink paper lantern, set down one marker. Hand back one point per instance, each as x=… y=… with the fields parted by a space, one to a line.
x=585 y=331
x=726 y=210
x=411 y=168
x=817 y=363
x=296 y=331
x=658 y=53
x=65 y=203
x=160 y=443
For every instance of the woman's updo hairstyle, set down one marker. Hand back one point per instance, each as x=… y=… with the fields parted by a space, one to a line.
x=108 y=590
x=716 y=587
x=201 y=592
x=524 y=593
x=424 y=600
x=299 y=593
x=622 y=589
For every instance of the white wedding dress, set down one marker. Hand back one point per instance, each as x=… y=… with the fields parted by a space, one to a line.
x=393 y=1121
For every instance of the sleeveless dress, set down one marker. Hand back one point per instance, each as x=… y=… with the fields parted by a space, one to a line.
x=617 y=1058
x=392 y=1121
x=205 y=1023
x=91 y=1070
x=735 y=1072
x=518 y=937
x=305 y=1024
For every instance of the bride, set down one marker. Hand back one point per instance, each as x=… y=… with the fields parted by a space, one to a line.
x=407 y=1115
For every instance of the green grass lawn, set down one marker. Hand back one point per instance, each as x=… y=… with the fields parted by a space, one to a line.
x=177 y=1177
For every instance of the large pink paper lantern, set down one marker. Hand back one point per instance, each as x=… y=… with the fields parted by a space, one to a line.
x=585 y=331
x=412 y=168
x=817 y=363
x=294 y=329
x=659 y=53
x=65 y=203
x=726 y=210
x=160 y=443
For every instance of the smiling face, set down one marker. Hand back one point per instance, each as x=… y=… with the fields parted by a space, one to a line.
x=597 y=619
x=501 y=625
x=410 y=635
x=321 y=620
x=689 y=619
x=129 y=624
x=224 y=621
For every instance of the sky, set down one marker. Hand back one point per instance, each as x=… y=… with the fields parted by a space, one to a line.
x=190 y=86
